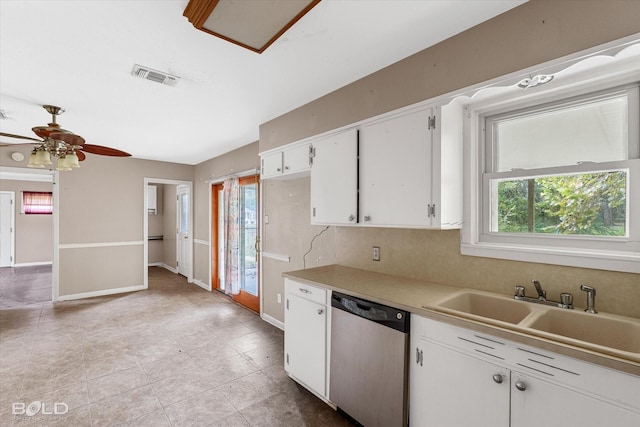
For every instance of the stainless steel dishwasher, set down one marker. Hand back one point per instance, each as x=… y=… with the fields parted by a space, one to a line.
x=369 y=361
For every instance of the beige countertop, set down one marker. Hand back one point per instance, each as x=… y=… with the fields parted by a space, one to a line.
x=421 y=298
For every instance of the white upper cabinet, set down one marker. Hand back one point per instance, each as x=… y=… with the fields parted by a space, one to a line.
x=271 y=165
x=334 y=179
x=395 y=172
x=289 y=162
x=402 y=170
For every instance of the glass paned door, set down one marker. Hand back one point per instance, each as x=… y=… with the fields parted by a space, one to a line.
x=249 y=232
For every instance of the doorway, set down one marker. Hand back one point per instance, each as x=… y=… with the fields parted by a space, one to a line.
x=244 y=215
x=172 y=234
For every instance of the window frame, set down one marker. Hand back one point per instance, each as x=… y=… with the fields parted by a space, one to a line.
x=617 y=253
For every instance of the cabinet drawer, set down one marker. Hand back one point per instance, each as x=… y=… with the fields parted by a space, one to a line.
x=302 y=290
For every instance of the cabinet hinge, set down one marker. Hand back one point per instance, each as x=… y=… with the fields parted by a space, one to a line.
x=287 y=358
x=314 y=212
x=287 y=303
x=431 y=210
x=262 y=166
x=431 y=122
x=312 y=154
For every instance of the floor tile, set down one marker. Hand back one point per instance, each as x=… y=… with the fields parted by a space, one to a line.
x=201 y=410
x=249 y=390
x=113 y=384
x=124 y=407
x=173 y=353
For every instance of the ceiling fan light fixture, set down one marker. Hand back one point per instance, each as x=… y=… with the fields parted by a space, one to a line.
x=42 y=157
x=32 y=160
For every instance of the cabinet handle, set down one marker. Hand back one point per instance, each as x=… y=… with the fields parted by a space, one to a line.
x=352 y=218
x=304 y=291
x=497 y=378
x=520 y=385
x=286 y=168
x=278 y=170
x=417 y=355
x=367 y=217
x=421 y=357
x=320 y=311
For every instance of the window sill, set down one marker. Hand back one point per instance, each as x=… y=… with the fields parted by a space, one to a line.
x=628 y=262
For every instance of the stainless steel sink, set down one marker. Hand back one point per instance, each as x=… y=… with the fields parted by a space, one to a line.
x=488 y=306
x=596 y=329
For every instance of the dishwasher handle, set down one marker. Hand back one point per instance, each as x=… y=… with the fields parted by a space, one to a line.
x=378 y=313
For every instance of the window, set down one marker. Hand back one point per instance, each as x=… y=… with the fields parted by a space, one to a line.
x=559 y=182
x=37 y=203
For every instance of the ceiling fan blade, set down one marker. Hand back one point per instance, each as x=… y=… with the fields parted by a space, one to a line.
x=69 y=138
x=81 y=155
x=104 y=151
x=10 y=135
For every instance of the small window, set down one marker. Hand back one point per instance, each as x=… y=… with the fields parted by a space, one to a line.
x=37 y=203
x=544 y=168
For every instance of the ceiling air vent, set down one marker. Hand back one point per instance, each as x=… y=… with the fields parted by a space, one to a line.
x=154 y=75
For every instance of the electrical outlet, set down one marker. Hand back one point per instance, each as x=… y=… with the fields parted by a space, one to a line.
x=279 y=298
x=376 y=253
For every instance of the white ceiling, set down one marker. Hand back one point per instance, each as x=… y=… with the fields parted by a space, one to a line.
x=79 y=55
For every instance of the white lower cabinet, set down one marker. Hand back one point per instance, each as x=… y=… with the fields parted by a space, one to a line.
x=305 y=335
x=462 y=378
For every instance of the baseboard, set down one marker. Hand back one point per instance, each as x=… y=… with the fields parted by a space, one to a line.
x=31 y=264
x=163 y=265
x=201 y=284
x=275 y=322
x=100 y=293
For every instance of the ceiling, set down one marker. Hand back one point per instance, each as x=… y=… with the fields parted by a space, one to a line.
x=79 y=55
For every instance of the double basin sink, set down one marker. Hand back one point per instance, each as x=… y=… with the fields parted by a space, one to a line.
x=602 y=331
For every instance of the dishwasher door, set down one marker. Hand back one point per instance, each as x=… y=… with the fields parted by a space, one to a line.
x=369 y=363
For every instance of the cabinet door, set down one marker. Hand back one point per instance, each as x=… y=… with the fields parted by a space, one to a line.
x=272 y=165
x=451 y=389
x=546 y=404
x=395 y=171
x=334 y=179
x=295 y=159
x=305 y=342
x=447 y=166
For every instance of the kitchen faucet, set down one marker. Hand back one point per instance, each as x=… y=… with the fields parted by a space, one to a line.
x=542 y=295
x=566 y=299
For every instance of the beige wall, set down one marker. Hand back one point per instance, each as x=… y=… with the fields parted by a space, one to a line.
x=33 y=233
x=289 y=234
x=101 y=222
x=236 y=161
x=533 y=33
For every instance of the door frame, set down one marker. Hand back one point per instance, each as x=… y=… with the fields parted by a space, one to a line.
x=12 y=227
x=213 y=218
x=145 y=225
x=42 y=175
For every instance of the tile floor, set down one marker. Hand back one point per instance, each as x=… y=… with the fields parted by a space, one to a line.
x=174 y=355
x=25 y=285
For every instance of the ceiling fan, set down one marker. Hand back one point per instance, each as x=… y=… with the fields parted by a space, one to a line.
x=68 y=147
